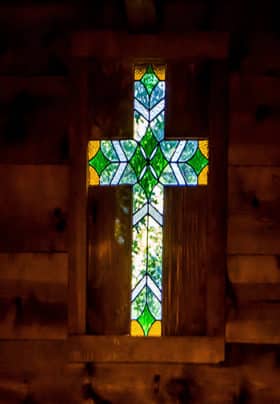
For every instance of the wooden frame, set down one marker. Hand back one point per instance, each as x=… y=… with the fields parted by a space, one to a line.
x=208 y=349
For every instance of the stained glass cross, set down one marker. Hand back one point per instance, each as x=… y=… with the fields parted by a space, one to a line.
x=148 y=162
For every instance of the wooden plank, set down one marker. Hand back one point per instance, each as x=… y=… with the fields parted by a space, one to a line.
x=252 y=142
x=34 y=129
x=78 y=200
x=163 y=383
x=185 y=259
x=41 y=86
x=256 y=269
x=33 y=295
x=32 y=355
x=261 y=57
x=33 y=208
x=37 y=13
x=254 y=323
x=141 y=14
x=109 y=263
x=111 y=102
x=253 y=210
x=217 y=199
x=187 y=100
x=178 y=16
x=142 y=349
x=106 y=44
x=247 y=92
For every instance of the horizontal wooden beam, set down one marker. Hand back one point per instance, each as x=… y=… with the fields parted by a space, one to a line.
x=109 y=44
x=141 y=349
x=255 y=323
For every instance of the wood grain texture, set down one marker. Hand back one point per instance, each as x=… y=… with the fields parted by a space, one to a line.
x=33 y=120
x=187 y=100
x=110 y=100
x=33 y=208
x=109 y=263
x=254 y=210
x=79 y=130
x=254 y=323
x=256 y=269
x=33 y=355
x=185 y=261
x=108 y=44
x=33 y=295
x=217 y=198
x=253 y=142
x=142 y=349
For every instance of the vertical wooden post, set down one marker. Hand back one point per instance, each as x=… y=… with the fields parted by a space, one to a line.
x=217 y=200
x=78 y=201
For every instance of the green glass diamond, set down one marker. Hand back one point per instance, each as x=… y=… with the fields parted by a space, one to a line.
x=149 y=80
x=159 y=162
x=99 y=162
x=146 y=320
x=148 y=182
x=138 y=162
x=148 y=142
x=198 y=161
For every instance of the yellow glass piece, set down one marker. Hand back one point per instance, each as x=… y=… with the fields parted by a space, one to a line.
x=93 y=177
x=136 y=329
x=93 y=147
x=160 y=71
x=139 y=71
x=155 y=330
x=203 y=176
x=203 y=145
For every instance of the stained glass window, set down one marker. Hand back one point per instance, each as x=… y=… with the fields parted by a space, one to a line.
x=148 y=162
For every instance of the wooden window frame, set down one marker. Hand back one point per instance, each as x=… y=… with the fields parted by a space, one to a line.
x=205 y=349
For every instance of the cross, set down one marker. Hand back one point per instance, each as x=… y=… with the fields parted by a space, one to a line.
x=148 y=162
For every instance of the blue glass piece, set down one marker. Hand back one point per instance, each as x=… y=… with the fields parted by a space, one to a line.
x=129 y=176
x=108 y=173
x=168 y=177
x=157 y=126
x=129 y=147
x=141 y=94
x=188 y=174
x=157 y=94
x=140 y=126
x=188 y=151
x=168 y=148
x=109 y=150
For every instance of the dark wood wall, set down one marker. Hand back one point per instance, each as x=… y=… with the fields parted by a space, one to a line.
x=35 y=88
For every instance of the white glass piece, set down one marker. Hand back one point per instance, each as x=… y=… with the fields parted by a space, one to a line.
x=140 y=214
x=141 y=109
x=178 y=151
x=178 y=174
x=118 y=174
x=119 y=151
x=138 y=288
x=157 y=109
x=156 y=291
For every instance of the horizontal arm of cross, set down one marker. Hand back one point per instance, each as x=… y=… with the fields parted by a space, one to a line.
x=169 y=162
